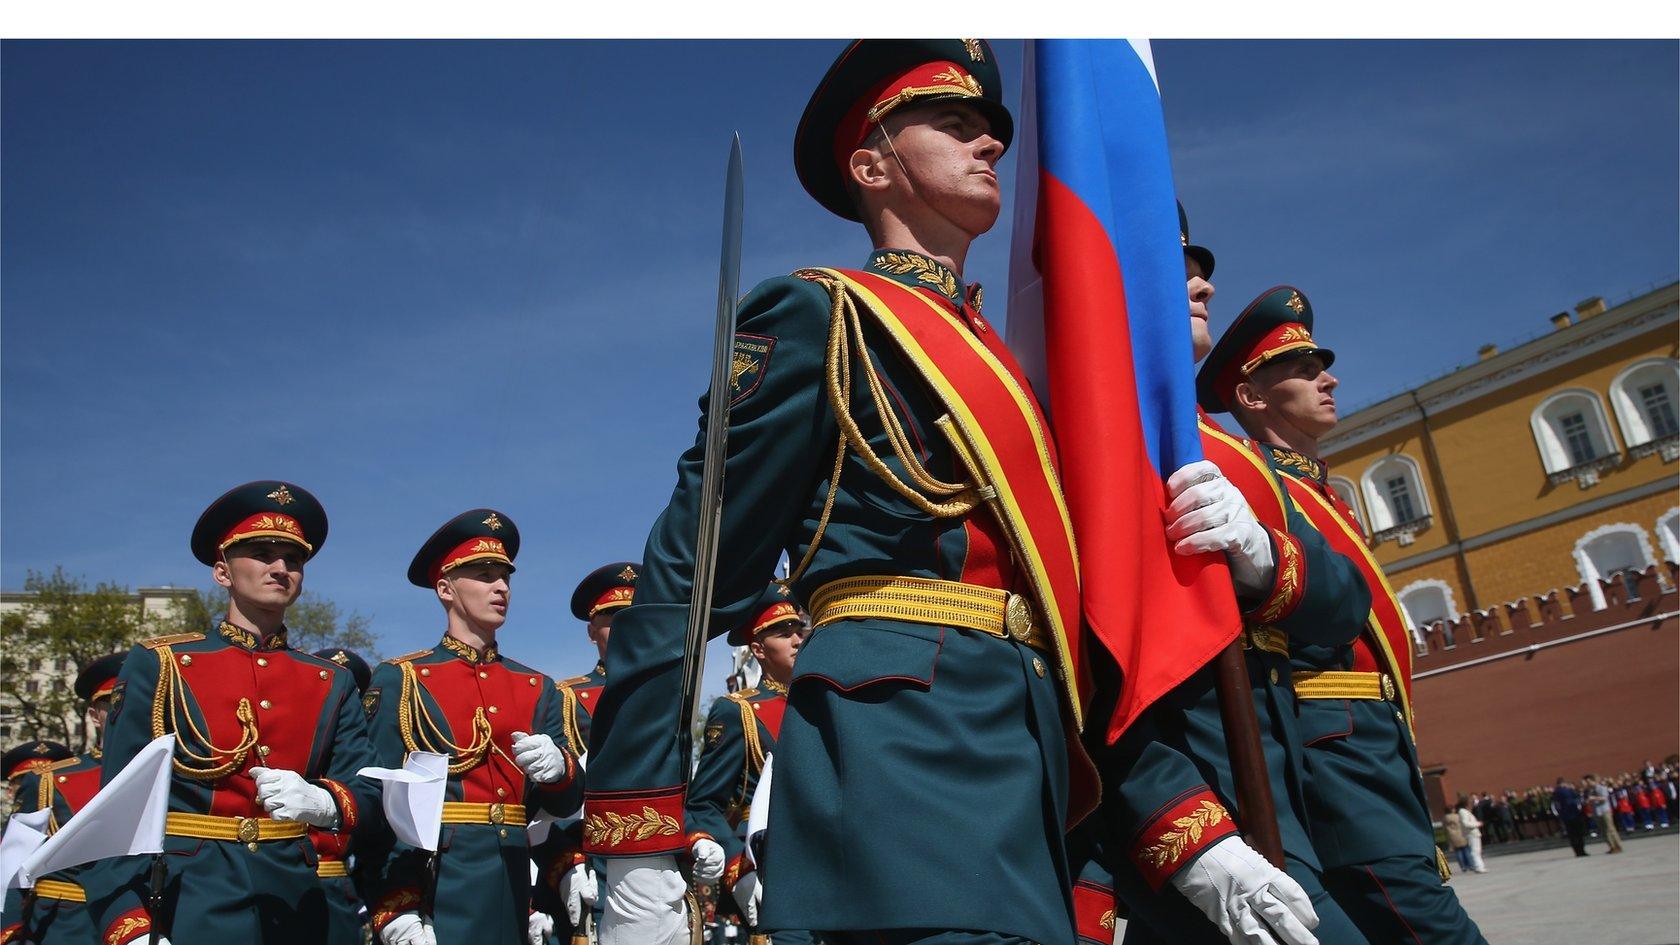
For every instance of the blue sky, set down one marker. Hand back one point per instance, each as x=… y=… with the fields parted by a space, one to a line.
x=422 y=277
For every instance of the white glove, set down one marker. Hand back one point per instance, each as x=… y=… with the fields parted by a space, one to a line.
x=758 y=815
x=287 y=796
x=538 y=756
x=1250 y=900
x=408 y=929
x=708 y=860
x=1208 y=513
x=644 y=902
x=579 y=890
x=537 y=927
x=749 y=894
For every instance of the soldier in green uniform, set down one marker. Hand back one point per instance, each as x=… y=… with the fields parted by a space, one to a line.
x=1181 y=869
x=882 y=436
x=741 y=731
x=568 y=882
x=48 y=777
x=345 y=911
x=268 y=741
x=1365 y=800
x=499 y=723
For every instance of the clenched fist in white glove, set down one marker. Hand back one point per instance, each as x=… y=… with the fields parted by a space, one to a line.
x=408 y=929
x=644 y=902
x=708 y=860
x=578 y=890
x=1208 y=513
x=1250 y=900
x=749 y=895
x=538 y=756
x=287 y=796
x=537 y=928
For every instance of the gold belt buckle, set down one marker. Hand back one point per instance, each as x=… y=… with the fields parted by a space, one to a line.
x=498 y=813
x=248 y=830
x=1388 y=687
x=1017 y=618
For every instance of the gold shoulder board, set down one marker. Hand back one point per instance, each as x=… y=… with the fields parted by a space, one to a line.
x=64 y=763
x=171 y=640
x=573 y=681
x=742 y=695
x=408 y=656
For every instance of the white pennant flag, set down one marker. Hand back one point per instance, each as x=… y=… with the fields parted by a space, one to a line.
x=413 y=797
x=126 y=817
x=758 y=814
x=24 y=834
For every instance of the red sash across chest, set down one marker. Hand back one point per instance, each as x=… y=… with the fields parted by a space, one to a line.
x=288 y=700
x=1391 y=652
x=508 y=700
x=973 y=375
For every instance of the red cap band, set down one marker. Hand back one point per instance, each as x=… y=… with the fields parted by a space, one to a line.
x=276 y=525
x=473 y=549
x=929 y=78
x=779 y=612
x=613 y=599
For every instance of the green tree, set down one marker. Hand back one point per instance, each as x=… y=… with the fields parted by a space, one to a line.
x=44 y=643
x=312 y=623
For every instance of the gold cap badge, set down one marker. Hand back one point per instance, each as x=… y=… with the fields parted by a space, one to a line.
x=1296 y=303
x=282 y=496
x=493 y=523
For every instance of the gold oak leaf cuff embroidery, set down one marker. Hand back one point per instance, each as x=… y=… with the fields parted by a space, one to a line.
x=1107 y=920
x=925 y=270
x=1288 y=580
x=613 y=829
x=1187 y=830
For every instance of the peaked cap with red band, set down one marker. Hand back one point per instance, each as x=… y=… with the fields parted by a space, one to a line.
x=99 y=677
x=473 y=536
x=775 y=608
x=608 y=587
x=265 y=510
x=31 y=756
x=1275 y=326
x=873 y=78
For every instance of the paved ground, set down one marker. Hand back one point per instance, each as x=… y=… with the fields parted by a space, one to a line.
x=1551 y=897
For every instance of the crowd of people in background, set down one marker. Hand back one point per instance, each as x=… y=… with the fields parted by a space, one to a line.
x=1595 y=807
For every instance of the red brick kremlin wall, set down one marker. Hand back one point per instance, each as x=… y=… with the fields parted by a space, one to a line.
x=1547 y=687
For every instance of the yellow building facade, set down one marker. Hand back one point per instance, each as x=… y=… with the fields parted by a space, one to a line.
x=1545 y=466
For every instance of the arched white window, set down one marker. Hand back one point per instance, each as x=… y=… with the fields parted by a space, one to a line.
x=1426 y=602
x=1668 y=534
x=1395 y=499
x=1350 y=495
x=1610 y=551
x=1646 y=398
x=1573 y=435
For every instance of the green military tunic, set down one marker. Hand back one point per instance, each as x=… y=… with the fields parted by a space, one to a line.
x=904 y=743
x=466 y=704
x=59 y=914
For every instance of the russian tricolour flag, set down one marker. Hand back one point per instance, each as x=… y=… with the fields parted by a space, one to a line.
x=1099 y=319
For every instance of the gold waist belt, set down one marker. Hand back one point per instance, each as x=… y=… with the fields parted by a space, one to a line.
x=1268 y=638
x=1336 y=684
x=925 y=600
x=331 y=869
x=242 y=829
x=460 y=812
x=59 y=889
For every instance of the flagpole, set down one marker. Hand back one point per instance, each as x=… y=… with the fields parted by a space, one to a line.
x=1256 y=809
x=154 y=895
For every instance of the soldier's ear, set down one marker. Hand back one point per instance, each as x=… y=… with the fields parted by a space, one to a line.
x=445 y=591
x=220 y=574
x=1247 y=396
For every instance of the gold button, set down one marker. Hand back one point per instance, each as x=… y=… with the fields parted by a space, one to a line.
x=186 y=659
x=251 y=846
x=483 y=675
x=263 y=750
x=503 y=832
x=323 y=674
x=266 y=704
x=493 y=709
x=424 y=671
x=262 y=661
x=62 y=779
x=1274 y=677
x=501 y=792
x=533 y=680
x=1399 y=718
x=1038 y=667
x=584 y=694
